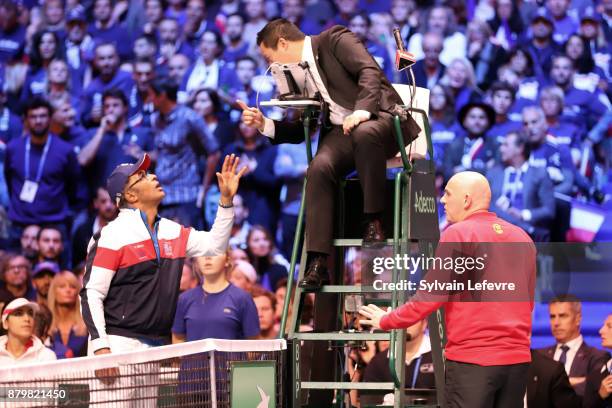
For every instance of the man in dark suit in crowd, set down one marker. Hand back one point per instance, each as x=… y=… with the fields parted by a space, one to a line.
x=548 y=385
x=521 y=194
x=578 y=358
x=357 y=130
x=598 y=392
x=429 y=70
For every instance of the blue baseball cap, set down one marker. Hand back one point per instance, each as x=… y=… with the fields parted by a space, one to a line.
x=76 y=14
x=46 y=266
x=117 y=180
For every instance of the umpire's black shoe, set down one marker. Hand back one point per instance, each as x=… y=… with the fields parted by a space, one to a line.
x=316 y=274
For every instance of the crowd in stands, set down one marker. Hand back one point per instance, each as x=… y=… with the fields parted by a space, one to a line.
x=519 y=90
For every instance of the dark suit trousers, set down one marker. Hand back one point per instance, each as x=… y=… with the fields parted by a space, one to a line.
x=366 y=149
x=474 y=386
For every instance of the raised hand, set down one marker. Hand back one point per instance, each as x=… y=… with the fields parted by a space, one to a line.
x=373 y=314
x=229 y=179
x=251 y=117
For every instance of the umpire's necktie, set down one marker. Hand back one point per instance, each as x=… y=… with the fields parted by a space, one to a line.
x=563 y=357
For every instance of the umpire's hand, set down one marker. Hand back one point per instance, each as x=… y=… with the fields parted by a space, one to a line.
x=228 y=179
x=251 y=117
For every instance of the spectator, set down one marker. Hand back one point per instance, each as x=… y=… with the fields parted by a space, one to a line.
x=42 y=323
x=265 y=301
x=113 y=142
x=41 y=187
x=545 y=152
x=592 y=31
x=502 y=98
x=181 y=137
x=474 y=151
x=581 y=106
x=59 y=82
x=405 y=17
x=548 y=384
x=68 y=331
x=419 y=363
x=105 y=211
x=263 y=256
x=564 y=24
x=207 y=104
x=239 y=254
x=140 y=110
x=10 y=124
x=209 y=71
x=29 y=242
x=345 y=9
x=360 y=25
x=507 y=25
x=577 y=49
x=53 y=17
x=12 y=33
x=154 y=13
x=521 y=194
x=178 y=66
x=236 y=46
x=439 y=19
x=260 y=186
x=244 y=89
x=106 y=63
x=290 y=166
x=189 y=277
x=202 y=312
x=571 y=350
x=19 y=345
x=16 y=278
x=241 y=226
x=460 y=78
x=175 y=9
x=256 y=20
x=598 y=392
x=295 y=11
x=145 y=48
x=42 y=275
x=64 y=120
x=50 y=244
x=541 y=46
x=45 y=48
x=170 y=42
x=552 y=104
x=79 y=47
x=442 y=120
x=280 y=293
x=196 y=23
x=243 y=275
x=483 y=52
x=429 y=70
x=106 y=29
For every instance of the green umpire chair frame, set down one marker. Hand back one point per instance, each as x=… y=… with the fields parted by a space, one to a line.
x=408 y=230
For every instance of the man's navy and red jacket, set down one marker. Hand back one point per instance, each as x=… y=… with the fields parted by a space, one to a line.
x=132 y=275
x=483 y=333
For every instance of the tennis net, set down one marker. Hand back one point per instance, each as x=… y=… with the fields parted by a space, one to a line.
x=202 y=373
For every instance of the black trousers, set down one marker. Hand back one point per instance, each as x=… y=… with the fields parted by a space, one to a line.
x=474 y=386
x=366 y=149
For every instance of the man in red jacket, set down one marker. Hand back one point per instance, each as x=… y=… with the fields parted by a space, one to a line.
x=487 y=352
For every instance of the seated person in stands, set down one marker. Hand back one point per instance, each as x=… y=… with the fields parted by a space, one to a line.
x=578 y=358
x=243 y=275
x=269 y=264
x=520 y=193
x=598 y=393
x=419 y=371
x=19 y=345
x=265 y=301
x=216 y=309
x=472 y=150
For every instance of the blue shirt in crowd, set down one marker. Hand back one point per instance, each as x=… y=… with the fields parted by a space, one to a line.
x=92 y=95
x=58 y=183
x=11 y=43
x=230 y=314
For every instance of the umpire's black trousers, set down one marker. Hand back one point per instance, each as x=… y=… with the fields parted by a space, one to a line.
x=474 y=386
x=366 y=149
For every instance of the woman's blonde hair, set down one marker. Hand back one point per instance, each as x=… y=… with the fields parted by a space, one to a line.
x=76 y=317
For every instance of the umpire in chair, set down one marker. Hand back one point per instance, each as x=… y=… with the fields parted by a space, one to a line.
x=358 y=103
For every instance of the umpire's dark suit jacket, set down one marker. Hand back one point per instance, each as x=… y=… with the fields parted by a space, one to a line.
x=353 y=80
x=548 y=385
x=538 y=197
x=586 y=361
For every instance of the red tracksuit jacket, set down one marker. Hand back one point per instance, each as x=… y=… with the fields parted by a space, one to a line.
x=483 y=333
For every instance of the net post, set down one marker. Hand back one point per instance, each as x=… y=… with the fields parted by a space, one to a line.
x=213 y=380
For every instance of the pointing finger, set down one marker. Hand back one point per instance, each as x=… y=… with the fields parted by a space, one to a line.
x=242 y=105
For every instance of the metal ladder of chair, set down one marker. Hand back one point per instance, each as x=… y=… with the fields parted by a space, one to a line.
x=407 y=229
